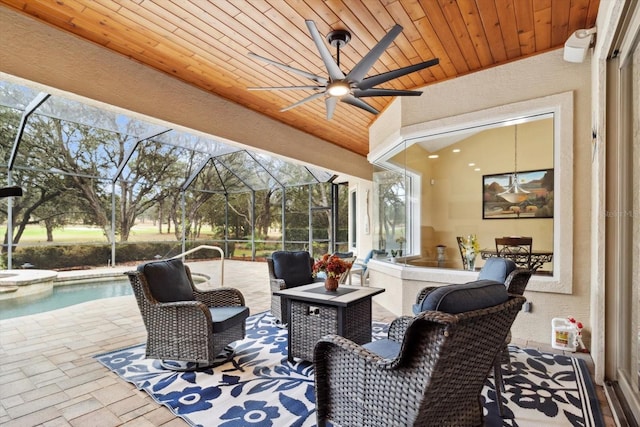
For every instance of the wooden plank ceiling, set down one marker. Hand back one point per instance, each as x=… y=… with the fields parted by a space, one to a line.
x=205 y=43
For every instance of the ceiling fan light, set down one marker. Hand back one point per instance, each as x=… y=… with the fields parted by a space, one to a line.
x=515 y=193
x=338 y=88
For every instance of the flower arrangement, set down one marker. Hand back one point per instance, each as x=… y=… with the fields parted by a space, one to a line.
x=470 y=246
x=332 y=265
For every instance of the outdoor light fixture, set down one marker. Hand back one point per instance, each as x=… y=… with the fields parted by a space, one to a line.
x=515 y=193
x=339 y=88
x=576 y=46
x=13 y=191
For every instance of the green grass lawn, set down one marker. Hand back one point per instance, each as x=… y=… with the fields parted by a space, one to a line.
x=145 y=232
x=34 y=234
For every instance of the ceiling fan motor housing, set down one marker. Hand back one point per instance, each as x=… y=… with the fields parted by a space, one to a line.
x=339 y=38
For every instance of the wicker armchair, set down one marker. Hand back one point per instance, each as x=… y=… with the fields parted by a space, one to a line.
x=428 y=372
x=515 y=280
x=185 y=324
x=287 y=270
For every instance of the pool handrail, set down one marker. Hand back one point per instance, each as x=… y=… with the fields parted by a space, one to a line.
x=190 y=251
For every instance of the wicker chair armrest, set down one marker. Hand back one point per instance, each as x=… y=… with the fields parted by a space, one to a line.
x=517 y=281
x=165 y=315
x=349 y=353
x=219 y=297
x=277 y=284
x=424 y=292
x=398 y=327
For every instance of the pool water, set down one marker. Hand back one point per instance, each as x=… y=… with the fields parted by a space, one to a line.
x=64 y=296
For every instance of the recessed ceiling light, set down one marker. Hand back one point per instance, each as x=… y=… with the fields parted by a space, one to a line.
x=477 y=169
x=472 y=164
x=456 y=150
x=433 y=156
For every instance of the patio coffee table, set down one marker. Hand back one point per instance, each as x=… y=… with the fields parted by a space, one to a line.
x=315 y=312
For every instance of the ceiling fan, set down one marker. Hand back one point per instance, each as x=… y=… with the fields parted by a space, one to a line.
x=350 y=87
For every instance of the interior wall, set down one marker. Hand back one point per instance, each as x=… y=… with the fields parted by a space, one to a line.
x=39 y=53
x=520 y=81
x=452 y=190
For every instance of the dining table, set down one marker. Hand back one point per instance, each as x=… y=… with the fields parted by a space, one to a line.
x=532 y=261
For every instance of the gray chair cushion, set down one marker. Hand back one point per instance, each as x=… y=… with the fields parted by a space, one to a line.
x=224 y=318
x=292 y=267
x=168 y=280
x=343 y=254
x=386 y=348
x=463 y=297
x=373 y=254
x=496 y=269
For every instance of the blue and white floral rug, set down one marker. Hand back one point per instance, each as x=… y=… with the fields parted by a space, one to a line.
x=541 y=389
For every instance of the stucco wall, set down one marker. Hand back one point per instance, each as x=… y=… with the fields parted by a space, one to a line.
x=531 y=78
x=39 y=53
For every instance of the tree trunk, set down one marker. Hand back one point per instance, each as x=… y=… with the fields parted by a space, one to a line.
x=95 y=204
x=160 y=218
x=49 y=226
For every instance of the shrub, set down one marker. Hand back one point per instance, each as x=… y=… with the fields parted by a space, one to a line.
x=52 y=257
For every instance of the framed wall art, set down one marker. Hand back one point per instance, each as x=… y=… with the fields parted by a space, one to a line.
x=536 y=203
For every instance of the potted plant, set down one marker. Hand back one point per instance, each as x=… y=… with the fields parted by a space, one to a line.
x=334 y=267
x=400 y=241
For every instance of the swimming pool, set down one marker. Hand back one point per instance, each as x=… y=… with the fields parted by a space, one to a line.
x=64 y=296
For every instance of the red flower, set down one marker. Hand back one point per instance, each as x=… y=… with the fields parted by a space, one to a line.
x=332 y=265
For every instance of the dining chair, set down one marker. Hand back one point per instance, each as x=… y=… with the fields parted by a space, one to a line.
x=465 y=262
x=515 y=248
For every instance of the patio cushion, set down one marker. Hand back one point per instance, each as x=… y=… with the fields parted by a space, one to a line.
x=224 y=318
x=497 y=269
x=168 y=280
x=292 y=267
x=373 y=254
x=386 y=348
x=343 y=254
x=464 y=297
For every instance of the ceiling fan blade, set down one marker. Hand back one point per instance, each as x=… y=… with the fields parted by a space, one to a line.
x=349 y=99
x=335 y=73
x=362 y=68
x=330 y=103
x=287 y=88
x=385 y=92
x=302 y=73
x=307 y=99
x=372 y=81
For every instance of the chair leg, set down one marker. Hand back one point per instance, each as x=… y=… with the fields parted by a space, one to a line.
x=499 y=384
x=505 y=355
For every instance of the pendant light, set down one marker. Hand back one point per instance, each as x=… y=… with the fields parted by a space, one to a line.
x=515 y=193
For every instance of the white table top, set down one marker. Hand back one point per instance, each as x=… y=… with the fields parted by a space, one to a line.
x=315 y=292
